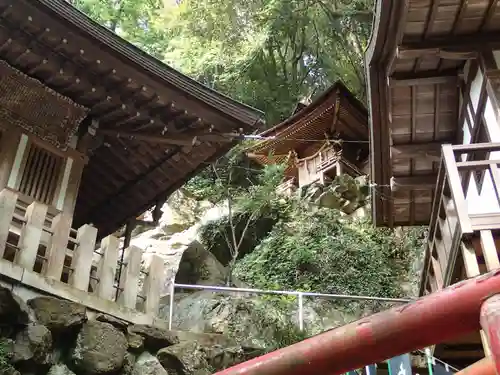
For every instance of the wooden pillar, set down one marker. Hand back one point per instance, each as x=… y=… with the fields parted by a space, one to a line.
x=152 y=285
x=129 y=280
x=339 y=167
x=107 y=267
x=489 y=250
x=31 y=234
x=69 y=183
x=58 y=245
x=61 y=224
x=82 y=257
x=9 y=145
x=472 y=270
x=8 y=200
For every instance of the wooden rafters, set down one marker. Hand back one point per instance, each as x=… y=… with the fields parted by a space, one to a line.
x=437 y=41
x=98 y=41
x=127 y=92
x=432 y=14
x=181 y=139
x=459 y=16
x=415 y=182
x=430 y=150
x=492 y=7
x=465 y=43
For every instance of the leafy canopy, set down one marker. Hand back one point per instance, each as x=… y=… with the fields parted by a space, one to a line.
x=267 y=53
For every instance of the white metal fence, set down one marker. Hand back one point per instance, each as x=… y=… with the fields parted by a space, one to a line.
x=300 y=297
x=300 y=300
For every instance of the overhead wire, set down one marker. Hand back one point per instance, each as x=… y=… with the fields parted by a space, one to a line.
x=373 y=185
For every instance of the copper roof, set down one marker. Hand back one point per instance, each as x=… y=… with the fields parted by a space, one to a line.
x=334 y=111
x=125 y=90
x=414 y=59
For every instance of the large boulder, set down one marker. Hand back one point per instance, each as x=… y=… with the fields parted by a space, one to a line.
x=56 y=314
x=33 y=344
x=11 y=312
x=135 y=342
x=240 y=318
x=254 y=321
x=154 y=338
x=177 y=233
x=186 y=358
x=60 y=369
x=128 y=364
x=100 y=348
x=200 y=267
x=219 y=357
x=344 y=193
x=148 y=364
x=115 y=322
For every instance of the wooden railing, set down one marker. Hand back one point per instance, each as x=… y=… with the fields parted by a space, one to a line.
x=287 y=187
x=455 y=233
x=327 y=158
x=39 y=239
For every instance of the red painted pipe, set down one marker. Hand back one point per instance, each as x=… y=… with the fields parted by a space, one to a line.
x=490 y=322
x=447 y=314
x=485 y=366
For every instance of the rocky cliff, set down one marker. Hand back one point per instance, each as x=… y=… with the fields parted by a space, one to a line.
x=189 y=239
x=50 y=336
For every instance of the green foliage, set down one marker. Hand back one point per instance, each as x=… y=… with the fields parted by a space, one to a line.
x=138 y=22
x=270 y=314
x=288 y=332
x=320 y=251
x=270 y=53
x=267 y=53
x=5 y=366
x=234 y=171
x=255 y=209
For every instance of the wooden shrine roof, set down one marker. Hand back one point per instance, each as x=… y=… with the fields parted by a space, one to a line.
x=148 y=113
x=335 y=112
x=413 y=73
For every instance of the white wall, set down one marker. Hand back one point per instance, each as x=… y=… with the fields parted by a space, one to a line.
x=484 y=200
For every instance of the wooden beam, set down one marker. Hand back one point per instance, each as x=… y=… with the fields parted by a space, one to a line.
x=177 y=139
x=418 y=52
x=415 y=79
x=464 y=43
x=417 y=182
x=490 y=13
x=430 y=151
x=85 y=141
x=489 y=250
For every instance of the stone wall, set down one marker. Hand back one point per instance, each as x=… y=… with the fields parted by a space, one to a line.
x=47 y=335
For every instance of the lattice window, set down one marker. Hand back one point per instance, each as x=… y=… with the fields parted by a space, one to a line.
x=40 y=175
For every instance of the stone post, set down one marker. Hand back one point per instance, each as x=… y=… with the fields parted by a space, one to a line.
x=82 y=257
x=129 y=280
x=152 y=285
x=31 y=233
x=107 y=267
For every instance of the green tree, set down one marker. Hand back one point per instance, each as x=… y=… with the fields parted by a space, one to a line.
x=267 y=53
x=270 y=53
x=137 y=21
x=246 y=205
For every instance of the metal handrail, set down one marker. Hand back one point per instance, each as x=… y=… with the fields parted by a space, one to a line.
x=298 y=294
